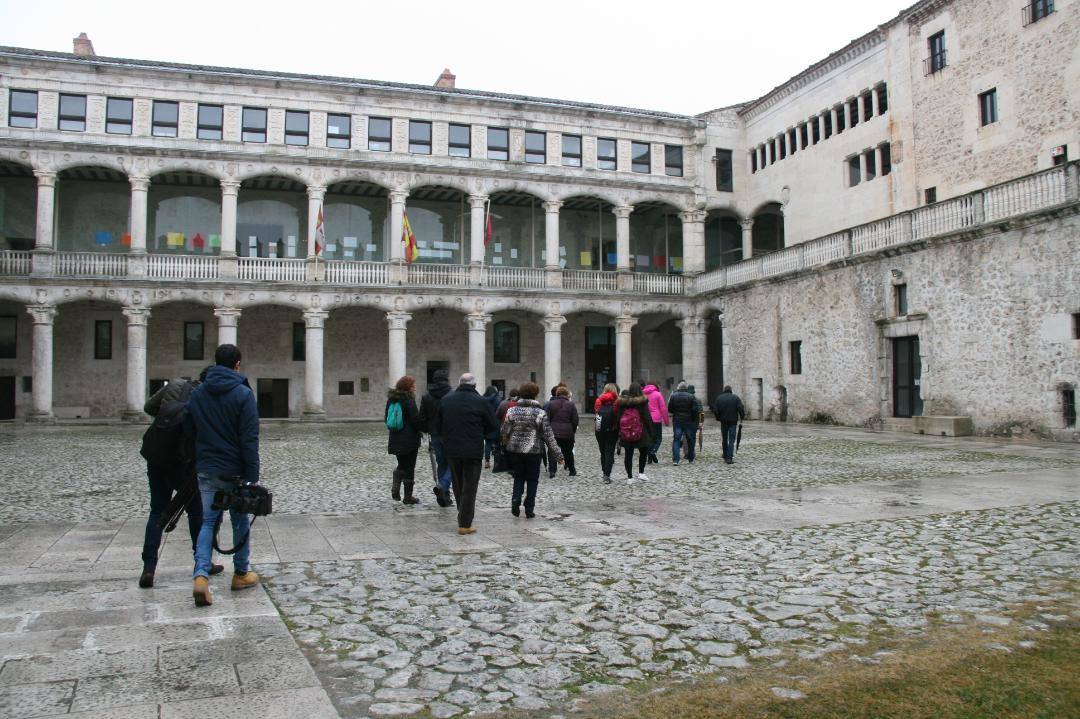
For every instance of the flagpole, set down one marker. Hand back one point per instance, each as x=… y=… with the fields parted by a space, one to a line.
x=487 y=223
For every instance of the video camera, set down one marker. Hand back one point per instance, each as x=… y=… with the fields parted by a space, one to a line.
x=245 y=499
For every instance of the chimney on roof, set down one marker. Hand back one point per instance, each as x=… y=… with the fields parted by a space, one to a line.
x=83 y=46
x=447 y=79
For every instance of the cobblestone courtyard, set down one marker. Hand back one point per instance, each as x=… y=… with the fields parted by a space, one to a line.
x=815 y=539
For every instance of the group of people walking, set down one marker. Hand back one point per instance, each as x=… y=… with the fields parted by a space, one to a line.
x=467 y=430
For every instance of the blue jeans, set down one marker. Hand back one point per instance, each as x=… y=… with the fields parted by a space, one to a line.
x=526 y=471
x=690 y=430
x=658 y=437
x=442 y=467
x=729 y=432
x=241 y=523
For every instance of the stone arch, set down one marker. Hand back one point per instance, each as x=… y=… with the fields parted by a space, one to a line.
x=357 y=221
x=272 y=216
x=294 y=173
x=519 y=229
x=768 y=230
x=163 y=165
x=183 y=212
x=449 y=182
x=723 y=238
x=440 y=217
x=587 y=233
x=656 y=238
x=107 y=161
x=610 y=197
x=93 y=207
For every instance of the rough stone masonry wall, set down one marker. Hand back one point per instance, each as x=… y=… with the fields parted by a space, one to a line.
x=996 y=341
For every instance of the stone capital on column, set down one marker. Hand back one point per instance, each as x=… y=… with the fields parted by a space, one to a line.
x=136 y=315
x=398 y=197
x=692 y=325
x=478 y=201
x=316 y=192
x=624 y=324
x=397 y=320
x=693 y=216
x=45 y=178
x=553 y=323
x=41 y=314
x=230 y=187
x=747 y=224
x=477 y=321
x=553 y=206
x=315 y=319
x=622 y=212
x=139 y=183
x=227 y=316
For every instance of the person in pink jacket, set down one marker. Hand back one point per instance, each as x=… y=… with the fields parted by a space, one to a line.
x=658 y=411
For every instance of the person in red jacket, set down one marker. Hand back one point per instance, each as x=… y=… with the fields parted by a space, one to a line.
x=607 y=429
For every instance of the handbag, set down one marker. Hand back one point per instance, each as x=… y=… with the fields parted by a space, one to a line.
x=499 y=462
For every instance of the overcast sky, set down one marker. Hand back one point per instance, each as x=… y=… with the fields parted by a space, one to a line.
x=674 y=55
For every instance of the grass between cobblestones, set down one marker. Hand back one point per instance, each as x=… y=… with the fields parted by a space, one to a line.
x=966 y=672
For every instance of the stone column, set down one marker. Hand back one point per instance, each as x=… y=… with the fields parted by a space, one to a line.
x=314 y=323
x=137 y=320
x=477 y=206
x=139 y=188
x=747 y=237
x=42 y=317
x=551 y=243
x=315 y=195
x=552 y=349
x=46 y=199
x=623 y=371
x=227 y=259
x=860 y=106
x=694 y=366
x=693 y=241
x=395 y=323
x=833 y=113
x=228 y=320
x=478 y=322
x=622 y=238
x=397 y=214
x=862 y=167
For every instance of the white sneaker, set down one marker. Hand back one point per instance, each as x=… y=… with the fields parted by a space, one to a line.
x=642 y=478
x=629 y=481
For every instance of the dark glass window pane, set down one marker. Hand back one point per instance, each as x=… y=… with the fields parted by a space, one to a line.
x=210 y=122
x=8 y=335
x=254 y=124
x=535 y=147
x=118 y=112
x=339 y=131
x=166 y=115
x=871 y=165
x=854 y=173
x=639 y=157
x=193 y=340
x=882 y=99
x=725 y=181
x=840 y=118
x=73 y=113
x=460 y=141
x=498 y=143
x=673 y=165
x=886 y=159
x=901 y=300
x=103 y=339
x=299 y=341
x=345 y=388
x=24 y=101
x=296 y=127
x=379 y=129
x=506 y=343
x=420 y=137
x=571 y=150
x=606 y=158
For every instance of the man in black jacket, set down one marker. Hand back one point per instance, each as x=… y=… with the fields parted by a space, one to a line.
x=684 y=409
x=429 y=408
x=463 y=419
x=728 y=409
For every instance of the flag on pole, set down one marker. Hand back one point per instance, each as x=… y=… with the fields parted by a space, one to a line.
x=489 y=229
x=320 y=232
x=408 y=239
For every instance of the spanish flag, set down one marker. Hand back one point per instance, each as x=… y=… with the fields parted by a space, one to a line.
x=408 y=239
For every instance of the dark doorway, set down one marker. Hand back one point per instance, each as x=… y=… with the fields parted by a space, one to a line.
x=435 y=365
x=599 y=362
x=7 y=398
x=273 y=398
x=907 y=372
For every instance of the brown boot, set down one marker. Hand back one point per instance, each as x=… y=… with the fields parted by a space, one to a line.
x=245 y=580
x=200 y=590
x=409 y=498
x=395 y=490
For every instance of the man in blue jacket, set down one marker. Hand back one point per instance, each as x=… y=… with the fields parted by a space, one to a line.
x=223 y=416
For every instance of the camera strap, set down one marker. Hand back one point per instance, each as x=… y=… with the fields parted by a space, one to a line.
x=239 y=545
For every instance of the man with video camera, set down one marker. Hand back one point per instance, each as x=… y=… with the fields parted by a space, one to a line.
x=224 y=418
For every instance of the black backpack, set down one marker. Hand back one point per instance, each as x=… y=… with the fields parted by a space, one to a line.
x=164 y=442
x=605 y=419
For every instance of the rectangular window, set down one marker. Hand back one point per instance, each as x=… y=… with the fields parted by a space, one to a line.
x=867 y=105
x=882 y=91
x=253 y=124
x=1076 y=325
x=854 y=173
x=886 y=158
x=118 y=112
x=339 y=131
x=871 y=165
x=853 y=111
x=930 y=195
x=988 y=112
x=606 y=153
x=27 y=385
x=804 y=135
x=72 y=113
x=753 y=167
x=840 y=119
x=826 y=120
x=535 y=147
x=673 y=163
x=193 y=340
x=345 y=389
x=299 y=342
x=1059 y=155
x=795 y=350
x=793 y=140
x=815 y=130
x=22 y=111
x=725 y=170
x=901 y=299
x=103 y=339
x=498 y=144
x=460 y=141
x=936 y=61
x=762 y=160
x=772 y=151
x=1068 y=406
x=640 y=157
x=166 y=118
x=210 y=122
x=296 y=128
x=571 y=150
x=1036 y=10
x=419 y=137
x=9 y=326
x=379 y=134
x=783 y=146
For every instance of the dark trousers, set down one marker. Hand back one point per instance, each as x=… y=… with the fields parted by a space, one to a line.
x=608 y=442
x=628 y=459
x=526 y=471
x=164 y=482
x=566 y=446
x=729 y=432
x=688 y=430
x=465 y=474
x=406 y=464
x=658 y=437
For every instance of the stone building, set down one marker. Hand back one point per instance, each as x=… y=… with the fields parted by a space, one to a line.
x=889 y=234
